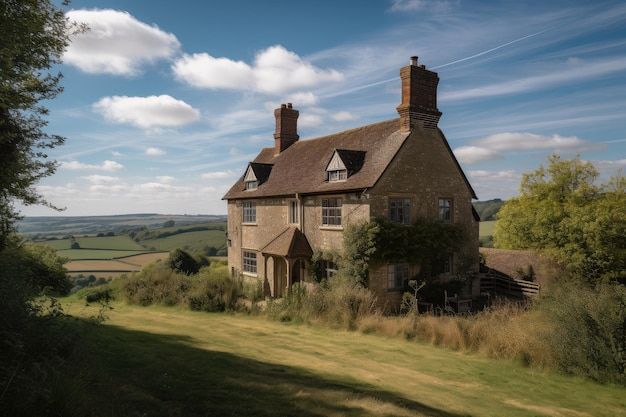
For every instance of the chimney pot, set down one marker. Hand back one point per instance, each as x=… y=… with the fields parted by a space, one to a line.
x=419 y=97
x=286 y=127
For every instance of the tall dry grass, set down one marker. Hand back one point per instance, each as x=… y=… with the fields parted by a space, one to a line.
x=504 y=331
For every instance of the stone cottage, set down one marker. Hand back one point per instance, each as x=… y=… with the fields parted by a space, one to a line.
x=299 y=195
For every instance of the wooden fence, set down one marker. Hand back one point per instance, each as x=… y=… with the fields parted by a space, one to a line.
x=498 y=284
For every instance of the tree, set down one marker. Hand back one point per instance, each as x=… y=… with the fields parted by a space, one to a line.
x=34 y=36
x=181 y=261
x=563 y=212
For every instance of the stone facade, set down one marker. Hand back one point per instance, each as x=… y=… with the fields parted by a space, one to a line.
x=407 y=158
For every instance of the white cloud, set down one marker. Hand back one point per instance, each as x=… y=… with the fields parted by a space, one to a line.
x=165 y=179
x=101 y=179
x=155 y=151
x=343 y=116
x=420 y=5
x=275 y=70
x=303 y=98
x=146 y=112
x=218 y=175
x=105 y=166
x=204 y=71
x=108 y=189
x=153 y=186
x=507 y=175
x=116 y=43
x=475 y=154
x=512 y=141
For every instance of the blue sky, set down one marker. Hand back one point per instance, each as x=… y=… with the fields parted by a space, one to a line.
x=166 y=102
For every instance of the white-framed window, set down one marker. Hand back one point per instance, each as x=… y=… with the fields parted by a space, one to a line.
x=249 y=212
x=445 y=210
x=294 y=212
x=400 y=210
x=249 y=262
x=252 y=185
x=397 y=276
x=331 y=211
x=336 y=169
x=338 y=175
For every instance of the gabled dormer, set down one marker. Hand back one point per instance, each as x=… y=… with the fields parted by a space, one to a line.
x=343 y=164
x=256 y=174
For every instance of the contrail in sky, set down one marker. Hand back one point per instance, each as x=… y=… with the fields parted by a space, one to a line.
x=362 y=87
x=490 y=50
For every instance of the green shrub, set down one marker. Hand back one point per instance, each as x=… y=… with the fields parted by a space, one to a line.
x=181 y=261
x=588 y=325
x=213 y=290
x=337 y=301
x=157 y=284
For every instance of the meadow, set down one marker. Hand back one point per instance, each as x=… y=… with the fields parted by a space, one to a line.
x=111 y=256
x=167 y=361
x=194 y=241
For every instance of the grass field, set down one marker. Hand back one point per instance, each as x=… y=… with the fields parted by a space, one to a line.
x=160 y=361
x=193 y=241
x=121 y=265
x=486 y=228
x=108 y=242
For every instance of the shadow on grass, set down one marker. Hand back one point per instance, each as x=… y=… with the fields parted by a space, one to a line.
x=143 y=374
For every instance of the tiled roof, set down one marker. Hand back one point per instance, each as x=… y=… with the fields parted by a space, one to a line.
x=290 y=243
x=301 y=168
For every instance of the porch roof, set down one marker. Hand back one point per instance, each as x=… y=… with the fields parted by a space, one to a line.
x=291 y=243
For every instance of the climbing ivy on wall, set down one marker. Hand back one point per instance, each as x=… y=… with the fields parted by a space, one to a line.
x=427 y=243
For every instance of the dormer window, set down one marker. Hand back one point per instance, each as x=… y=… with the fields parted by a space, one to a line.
x=337 y=175
x=256 y=174
x=343 y=164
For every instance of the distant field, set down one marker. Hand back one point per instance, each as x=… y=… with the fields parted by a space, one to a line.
x=109 y=242
x=486 y=228
x=76 y=254
x=189 y=240
x=119 y=243
x=115 y=255
x=121 y=265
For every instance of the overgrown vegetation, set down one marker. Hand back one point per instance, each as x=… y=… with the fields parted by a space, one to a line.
x=210 y=289
x=562 y=211
x=425 y=243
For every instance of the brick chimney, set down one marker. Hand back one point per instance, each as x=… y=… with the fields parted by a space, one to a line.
x=419 y=97
x=286 y=127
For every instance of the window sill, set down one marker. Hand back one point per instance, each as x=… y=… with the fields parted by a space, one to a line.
x=250 y=274
x=335 y=228
x=249 y=224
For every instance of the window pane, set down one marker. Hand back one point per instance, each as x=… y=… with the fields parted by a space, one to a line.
x=397 y=276
x=249 y=262
x=249 y=212
x=331 y=212
x=445 y=210
x=399 y=210
x=294 y=212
